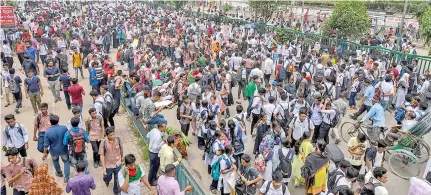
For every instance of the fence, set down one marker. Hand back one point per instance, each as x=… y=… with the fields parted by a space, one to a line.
x=347 y=47
x=184 y=173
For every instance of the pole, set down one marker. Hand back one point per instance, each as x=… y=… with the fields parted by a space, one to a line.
x=302 y=17
x=406 y=3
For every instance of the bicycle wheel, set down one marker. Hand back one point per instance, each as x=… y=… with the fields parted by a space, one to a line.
x=404 y=164
x=422 y=151
x=348 y=130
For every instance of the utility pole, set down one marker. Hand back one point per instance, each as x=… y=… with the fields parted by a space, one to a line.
x=400 y=35
x=302 y=17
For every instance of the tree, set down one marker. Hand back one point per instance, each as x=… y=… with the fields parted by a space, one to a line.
x=349 y=20
x=178 y=4
x=425 y=25
x=263 y=9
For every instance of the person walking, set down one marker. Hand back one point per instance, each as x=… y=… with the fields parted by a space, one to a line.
x=14 y=135
x=76 y=138
x=96 y=131
x=52 y=73
x=7 y=52
x=81 y=183
x=53 y=141
x=77 y=63
x=76 y=92
x=17 y=172
x=109 y=101
x=130 y=177
x=41 y=125
x=156 y=142
x=33 y=89
x=65 y=82
x=14 y=87
x=185 y=115
x=366 y=101
x=111 y=154
x=168 y=185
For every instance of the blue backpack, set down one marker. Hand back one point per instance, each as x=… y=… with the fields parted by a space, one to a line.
x=215 y=168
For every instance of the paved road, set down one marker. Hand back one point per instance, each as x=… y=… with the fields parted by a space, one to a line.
x=26 y=117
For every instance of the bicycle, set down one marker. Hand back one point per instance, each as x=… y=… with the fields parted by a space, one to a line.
x=350 y=129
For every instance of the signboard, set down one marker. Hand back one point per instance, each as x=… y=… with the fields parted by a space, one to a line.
x=7 y=17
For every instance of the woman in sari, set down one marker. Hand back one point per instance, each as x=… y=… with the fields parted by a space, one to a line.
x=259 y=132
x=315 y=169
x=302 y=150
x=121 y=36
x=402 y=86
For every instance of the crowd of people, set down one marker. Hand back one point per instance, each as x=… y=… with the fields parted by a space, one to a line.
x=296 y=98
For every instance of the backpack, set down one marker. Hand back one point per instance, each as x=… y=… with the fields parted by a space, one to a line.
x=333 y=73
x=333 y=180
x=13 y=86
x=260 y=164
x=38 y=119
x=373 y=153
x=370 y=186
x=77 y=142
x=233 y=79
x=215 y=168
x=200 y=119
x=30 y=169
x=119 y=145
x=211 y=111
x=205 y=82
x=267 y=143
x=88 y=123
x=208 y=147
x=237 y=142
x=282 y=73
x=328 y=92
x=400 y=114
x=7 y=131
x=218 y=83
x=106 y=109
x=194 y=89
x=175 y=91
x=283 y=187
x=285 y=165
x=307 y=69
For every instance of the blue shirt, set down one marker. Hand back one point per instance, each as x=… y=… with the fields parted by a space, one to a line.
x=80 y=184
x=369 y=95
x=377 y=114
x=54 y=140
x=32 y=84
x=93 y=77
x=51 y=71
x=31 y=53
x=65 y=80
x=29 y=66
x=68 y=137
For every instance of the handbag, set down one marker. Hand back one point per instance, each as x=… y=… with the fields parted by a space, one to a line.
x=242 y=189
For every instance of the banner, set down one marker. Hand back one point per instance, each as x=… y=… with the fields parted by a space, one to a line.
x=7 y=17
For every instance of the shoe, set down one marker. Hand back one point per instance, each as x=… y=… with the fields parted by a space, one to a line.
x=353 y=117
x=214 y=191
x=66 y=180
x=337 y=141
x=59 y=99
x=17 y=111
x=59 y=174
x=8 y=104
x=56 y=100
x=96 y=165
x=107 y=184
x=100 y=164
x=227 y=116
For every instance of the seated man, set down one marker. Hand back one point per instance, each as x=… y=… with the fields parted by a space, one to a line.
x=398 y=132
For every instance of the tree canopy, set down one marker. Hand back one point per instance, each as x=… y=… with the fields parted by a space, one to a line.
x=263 y=9
x=425 y=25
x=349 y=20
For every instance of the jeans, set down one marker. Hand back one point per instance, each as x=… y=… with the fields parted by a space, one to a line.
x=241 y=88
x=108 y=177
x=76 y=72
x=74 y=160
x=79 y=106
x=384 y=104
x=109 y=119
x=67 y=98
x=266 y=77
x=35 y=100
x=324 y=132
x=154 y=167
x=54 y=86
x=43 y=58
x=56 y=162
x=158 y=118
x=247 y=73
x=18 y=98
x=16 y=192
x=250 y=101
x=40 y=141
x=95 y=146
x=352 y=101
x=131 y=66
x=362 y=110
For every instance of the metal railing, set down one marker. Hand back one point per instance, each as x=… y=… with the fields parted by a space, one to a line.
x=347 y=47
x=184 y=173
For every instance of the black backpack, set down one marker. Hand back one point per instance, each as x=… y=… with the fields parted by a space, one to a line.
x=106 y=110
x=283 y=187
x=333 y=180
x=370 y=186
x=7 y=131
x=328 y=92
x=285 y=165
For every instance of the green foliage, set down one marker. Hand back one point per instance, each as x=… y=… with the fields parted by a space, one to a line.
x=178 y=4
x=172 y=131
x=263 y=9
x=11 y=3
x=227 y=7
x=425 y=26
x=349 y=20
x=421 y=10
x=282 y=36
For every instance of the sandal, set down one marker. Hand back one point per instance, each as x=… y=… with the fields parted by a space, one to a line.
x=8 y=104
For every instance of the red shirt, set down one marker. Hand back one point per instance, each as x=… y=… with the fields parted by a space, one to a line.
x=75 y=92
x=395 y=72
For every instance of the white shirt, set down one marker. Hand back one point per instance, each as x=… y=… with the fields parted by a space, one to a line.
x=257 y=104
x=387 y=87
x=267 y=66
x=256 y=71
x=16 y=139
x=272 y=190
x=419 y=187
x=268 y=109
x=424 y=87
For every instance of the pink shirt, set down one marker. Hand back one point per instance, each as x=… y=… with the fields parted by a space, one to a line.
x=95 y=131
x=44 y=124
x=168 y=185
x=113 y=152
x=24 y=181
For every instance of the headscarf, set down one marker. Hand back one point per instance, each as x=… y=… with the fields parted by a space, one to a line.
x=405 y=78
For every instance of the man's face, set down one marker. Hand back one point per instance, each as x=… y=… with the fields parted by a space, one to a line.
x=11 y=122
x=111 y=136
x=30 y=74
x=302 y=117
x=383 y=179
x=212 y=101
x=77 y=114
x=131 y=166
x=12 y=158
x=243 y=163
x=50 y=64
x=276 y=184
x=93 y=114
x=43 y=110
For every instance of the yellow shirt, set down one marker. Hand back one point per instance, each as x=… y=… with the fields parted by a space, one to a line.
x=353 y=158
x=77 y=59
x=166 y=155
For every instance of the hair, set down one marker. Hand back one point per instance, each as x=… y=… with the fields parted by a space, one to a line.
x=91 y=110
x=169 y=168
x=321 y=145
x=105 y=87
x=171 y=140
x=361 y=137
x=239 y=109
x=9 y=117
x=75 y=121
x=228 y=149
x=246 y=158
x=285 y=142
x=80 y=166
x=379 y=172
x=346 y=191
x=94 y=93
x=412 y=115
x=284 y=96
x=271 y=99
x=303 y=110
x=205 y=103
x=381 y=143
x=160 y=124
x=12 y=152
x=76 y=110
x=74 y=81
x=157 y=94
x=352 y=173
x=344 y=164
x=296 y=147
x=129 y=159
x=43 y=105
x=11 y=70
x=53 y=119
x=109 y=130
x=277 y=176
